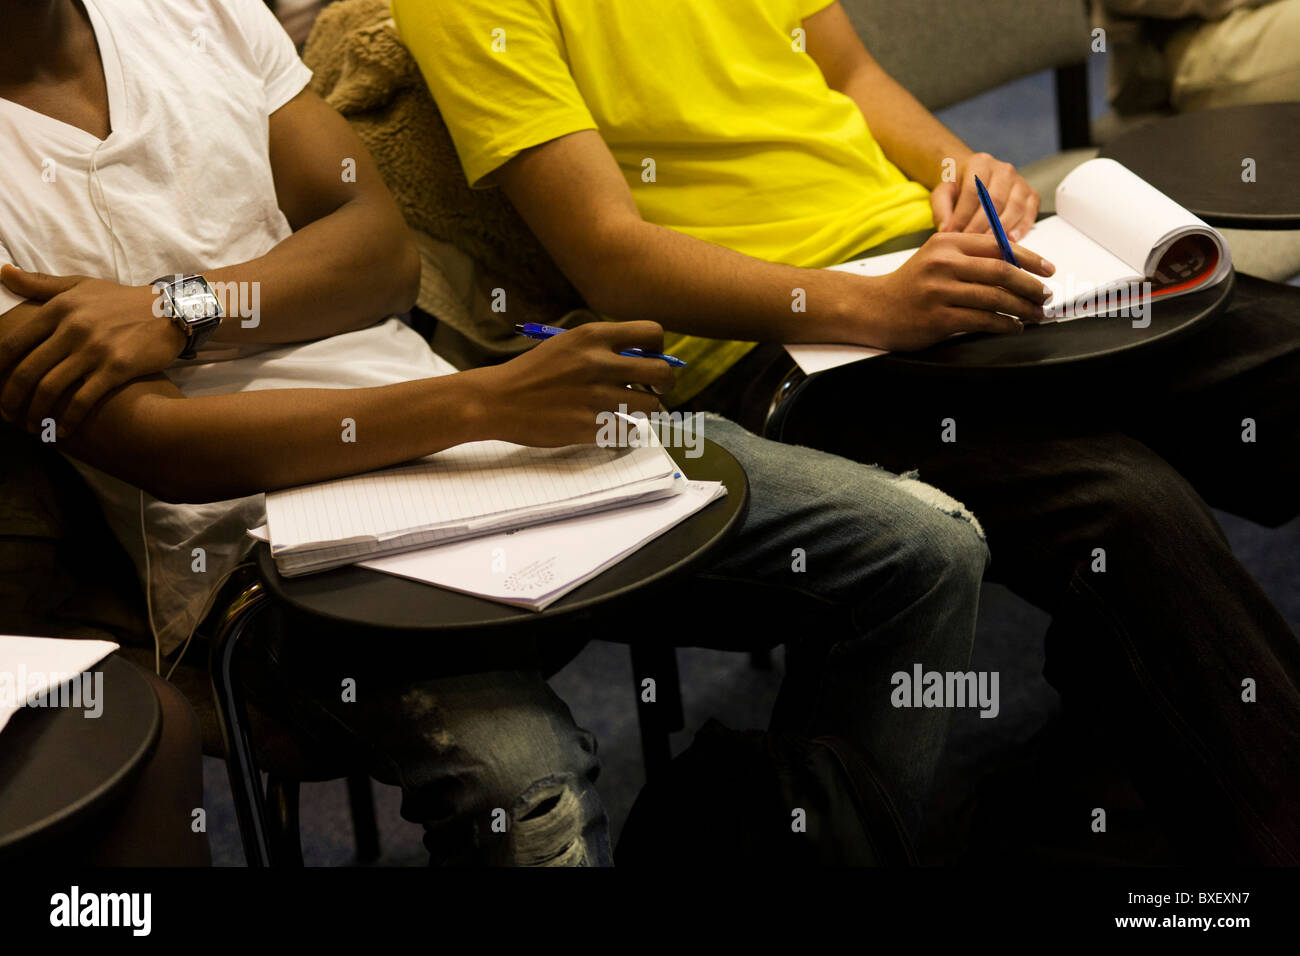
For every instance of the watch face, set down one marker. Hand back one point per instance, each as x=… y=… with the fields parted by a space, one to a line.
x=194 y=300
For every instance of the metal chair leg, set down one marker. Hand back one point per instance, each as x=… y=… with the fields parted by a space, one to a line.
x=241 y=764
x=1073 y=123
x=365 y=829
x=285 y=836
x=785 y=389
x=664 y=715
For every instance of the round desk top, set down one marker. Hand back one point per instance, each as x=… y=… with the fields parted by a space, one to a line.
x=58 y=766
x=360 y=597
x=1077 y=340
x=1198 y=159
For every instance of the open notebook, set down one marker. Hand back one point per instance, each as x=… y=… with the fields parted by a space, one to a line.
x=469 y=490
x=1113 y=233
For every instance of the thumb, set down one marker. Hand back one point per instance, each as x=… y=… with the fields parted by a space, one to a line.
x=941 y=204
x=35 y=285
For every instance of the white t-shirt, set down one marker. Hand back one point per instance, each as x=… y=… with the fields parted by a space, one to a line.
x=182 y=184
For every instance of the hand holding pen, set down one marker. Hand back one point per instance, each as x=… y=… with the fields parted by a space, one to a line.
x=535 y=330
x=552 y=394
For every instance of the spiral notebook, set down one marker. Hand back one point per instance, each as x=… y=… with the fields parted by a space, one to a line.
x=1113 y=233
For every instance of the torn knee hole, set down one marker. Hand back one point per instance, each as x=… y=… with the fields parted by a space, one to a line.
x=939 y=500
x=547 y=828
x=544 y=807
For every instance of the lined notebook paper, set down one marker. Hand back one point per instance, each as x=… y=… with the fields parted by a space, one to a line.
x=464 y=491
x=534 y=567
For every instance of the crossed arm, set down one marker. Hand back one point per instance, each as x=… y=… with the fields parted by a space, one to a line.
x=226 y=446
x=349 y=262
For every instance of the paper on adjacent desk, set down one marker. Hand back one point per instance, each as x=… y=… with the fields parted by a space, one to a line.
x=30 y=666
x=535 y=566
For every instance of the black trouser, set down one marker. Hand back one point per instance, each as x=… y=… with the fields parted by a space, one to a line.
x=1172 y=651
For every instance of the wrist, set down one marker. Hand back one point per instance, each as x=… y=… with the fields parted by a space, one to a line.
x=175 y=337
x=849 y=316
x=954 y=156
x=477 y=402
x=172 y=337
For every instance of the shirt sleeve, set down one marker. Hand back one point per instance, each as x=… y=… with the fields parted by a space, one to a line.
x=8 y=299
x=808 y=7
x=272 y=52
x=499 y=72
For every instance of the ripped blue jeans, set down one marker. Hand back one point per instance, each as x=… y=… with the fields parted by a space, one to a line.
x=493 y=766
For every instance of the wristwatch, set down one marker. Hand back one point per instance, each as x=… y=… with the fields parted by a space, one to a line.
x=194 y=308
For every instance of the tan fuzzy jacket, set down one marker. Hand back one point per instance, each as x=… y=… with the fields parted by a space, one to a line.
x=472 y=242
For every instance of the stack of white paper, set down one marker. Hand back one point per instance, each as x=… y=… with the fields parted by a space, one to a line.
x=464 y=492
x=536 y=566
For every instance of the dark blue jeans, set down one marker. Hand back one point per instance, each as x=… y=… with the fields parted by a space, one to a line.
x=1172 y=654
x=490 y=761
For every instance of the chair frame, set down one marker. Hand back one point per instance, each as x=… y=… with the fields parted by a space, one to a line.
x=268 y=820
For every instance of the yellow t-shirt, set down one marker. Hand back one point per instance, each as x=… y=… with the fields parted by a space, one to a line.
x=724 y=128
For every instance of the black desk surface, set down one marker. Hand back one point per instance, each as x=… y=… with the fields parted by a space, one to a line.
x=58 y=767
x=1046 y=346
x=1196 y=159
x=355 y=596
x=1078 y=340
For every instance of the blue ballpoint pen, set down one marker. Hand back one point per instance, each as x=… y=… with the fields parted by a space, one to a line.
x=992 y=214
x=535 y=330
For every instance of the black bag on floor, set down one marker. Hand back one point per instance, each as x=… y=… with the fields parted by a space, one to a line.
x=748 y=798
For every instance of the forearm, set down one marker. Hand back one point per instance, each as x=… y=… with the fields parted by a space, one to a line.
x=345 y=271
x=227 y=446
x=638 y=270
x=913 y=139
x=351 y=259
x=571 y=193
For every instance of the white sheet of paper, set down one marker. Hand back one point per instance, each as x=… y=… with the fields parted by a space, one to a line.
x=37 y=663
x=818 y=358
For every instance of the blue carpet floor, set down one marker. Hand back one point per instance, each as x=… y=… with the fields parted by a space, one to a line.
x=1015 y=123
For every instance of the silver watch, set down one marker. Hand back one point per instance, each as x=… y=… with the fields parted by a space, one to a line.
x=194 y=308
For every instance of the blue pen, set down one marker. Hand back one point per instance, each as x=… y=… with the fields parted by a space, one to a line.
x=535 y=330
x=999 y=233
